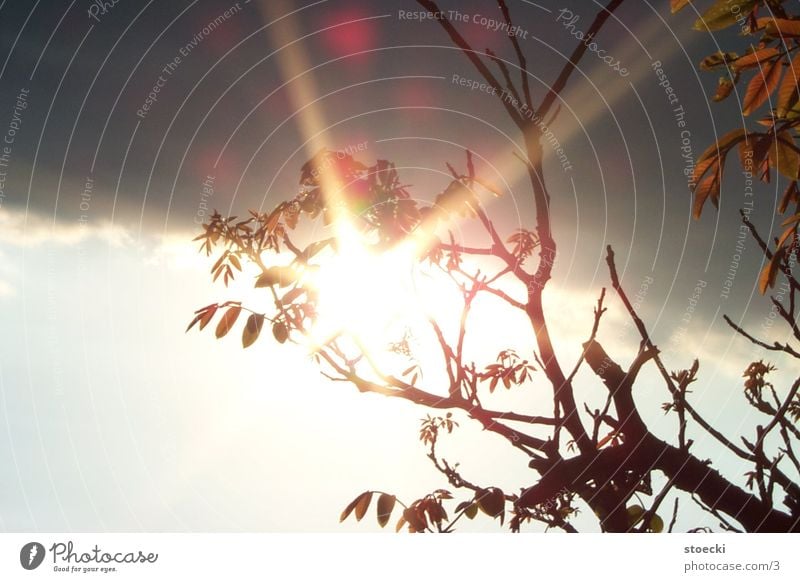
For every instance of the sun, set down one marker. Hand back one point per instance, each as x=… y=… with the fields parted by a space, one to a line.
x=364 y=293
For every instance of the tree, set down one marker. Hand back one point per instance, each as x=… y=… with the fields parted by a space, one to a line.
x=603 y=458
x=771 y=64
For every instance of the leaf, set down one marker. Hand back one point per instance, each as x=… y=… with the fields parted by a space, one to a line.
x=385 y=507
x=471 y=511
x=721 y=147
x=723 y=13
x=779 y=26
x=724 y=89
x=770 y=272
x=363 y=504
x=760 y=87
x=207 y=317
x=292 y=295
x=703 y=166
x=783 y=157
x=280 y=331
x=351 y=506
x=656 y=524
x=788 y=92
x=747 y=152
x=676 y=5
x=226 y=323
x=635 y=513
x=709 y=187
x=252 y=329
x=400 y=523
x=281 y=276
x=415 y=519
x=314 y=248
x=717 y=60
x=754 y=58
x=218 y=264
x=792 y=194
x=491 y=501
x=203 y=316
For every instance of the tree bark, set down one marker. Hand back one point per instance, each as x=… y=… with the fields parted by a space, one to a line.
x=687 y=472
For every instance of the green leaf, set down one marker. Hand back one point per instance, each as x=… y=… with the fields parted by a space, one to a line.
x=385 y=507
x=471 y=511
x=252 y=329
x=656 y=524
x=226 y=323
x=723 y=13
x=635 y=513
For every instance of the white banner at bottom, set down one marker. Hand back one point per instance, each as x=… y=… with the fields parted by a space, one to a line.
x=367 y=557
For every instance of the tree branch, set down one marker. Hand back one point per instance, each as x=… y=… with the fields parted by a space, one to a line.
x=472 y=55
x=577 y=54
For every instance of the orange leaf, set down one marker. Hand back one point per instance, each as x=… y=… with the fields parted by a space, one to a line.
x=787 y=94
x=676 y=5
x=352 y=505
x=779 y=26
x=203 y=316
x=747 y=152
x=721 y=147
x=363 y=504
x=400 y=523
x=791 y=194
x=707 y=188
x=724 y=89
x=754 y=58
x=784 y=157
x=226 y=323
x=703 y=166
x=770 y=272
x=760 y=87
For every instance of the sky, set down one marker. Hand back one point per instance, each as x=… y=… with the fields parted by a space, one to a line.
x=128 y=124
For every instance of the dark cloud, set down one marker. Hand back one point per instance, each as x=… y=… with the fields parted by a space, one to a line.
x=106 y=108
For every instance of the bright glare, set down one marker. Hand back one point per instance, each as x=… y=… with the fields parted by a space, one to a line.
x=366 y=294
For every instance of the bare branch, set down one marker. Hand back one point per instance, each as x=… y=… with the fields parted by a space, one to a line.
x=474 y=58
x=577 y=54
x=523 y=65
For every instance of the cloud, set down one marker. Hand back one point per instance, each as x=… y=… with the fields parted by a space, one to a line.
x=20 y=228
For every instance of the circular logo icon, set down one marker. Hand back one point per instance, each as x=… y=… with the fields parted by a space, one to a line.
x=31 y=555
